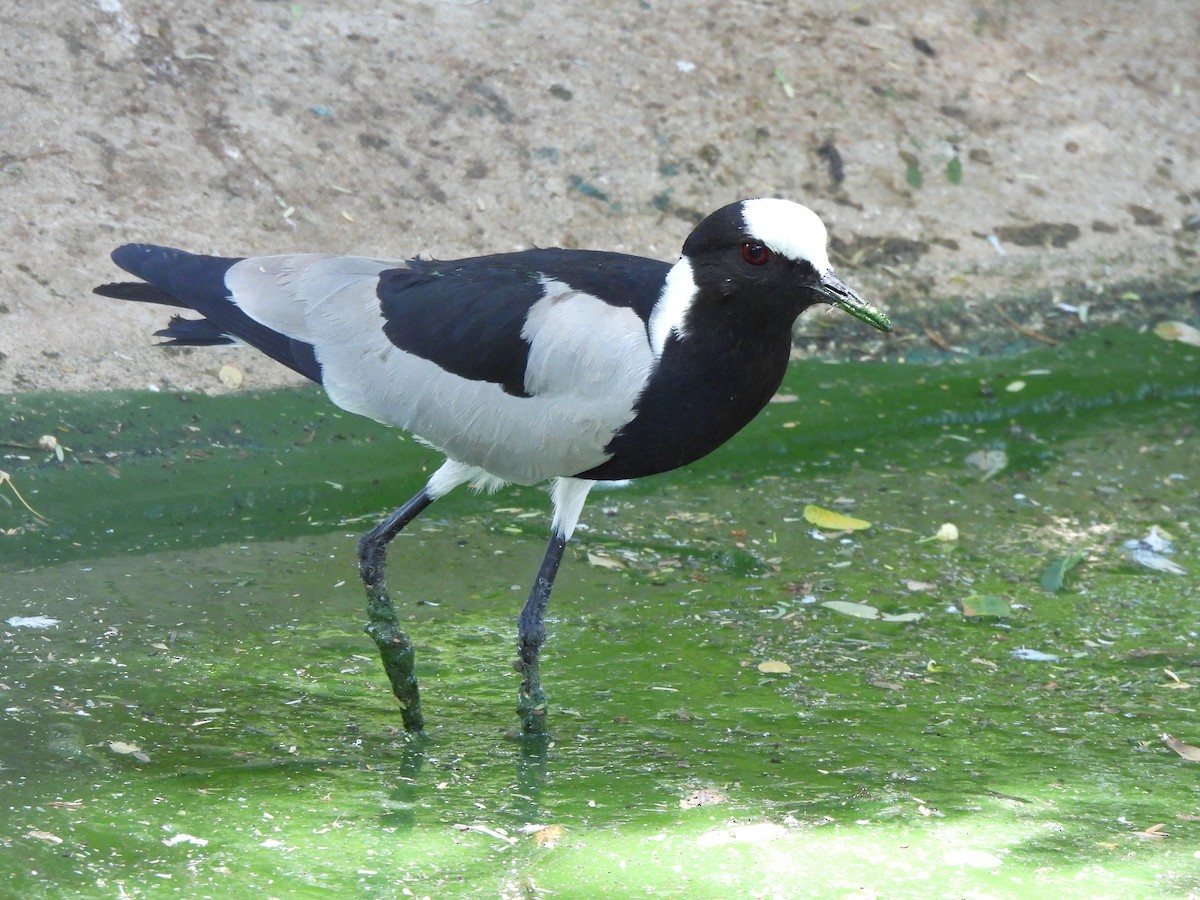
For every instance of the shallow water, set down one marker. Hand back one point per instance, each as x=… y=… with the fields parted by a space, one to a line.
x=208 y=719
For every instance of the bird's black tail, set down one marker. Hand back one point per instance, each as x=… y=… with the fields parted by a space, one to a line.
x=190 y=281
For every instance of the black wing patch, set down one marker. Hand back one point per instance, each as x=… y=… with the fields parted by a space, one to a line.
x=468 y=326
x=467 y=315
x=619 y=279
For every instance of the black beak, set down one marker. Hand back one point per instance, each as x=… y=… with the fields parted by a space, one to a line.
x=837 y=292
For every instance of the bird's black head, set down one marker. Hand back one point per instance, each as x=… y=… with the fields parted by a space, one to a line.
x=770 y=257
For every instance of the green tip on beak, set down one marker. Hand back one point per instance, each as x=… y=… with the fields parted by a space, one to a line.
x=840 y=295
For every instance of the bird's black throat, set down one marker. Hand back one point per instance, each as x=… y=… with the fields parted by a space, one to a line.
x=708 y=385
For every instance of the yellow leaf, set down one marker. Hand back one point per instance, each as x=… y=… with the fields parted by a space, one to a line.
x=1178 y=331
x=833 y=521
x=549 y=836
x=1187 y=751
x=948 y=532
x=774 y=667
x=230 y=376
x=604 y=562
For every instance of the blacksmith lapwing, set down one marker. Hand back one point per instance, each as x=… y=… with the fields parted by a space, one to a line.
x=572 y=366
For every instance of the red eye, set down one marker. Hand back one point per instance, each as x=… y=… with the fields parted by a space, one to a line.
x=755 y=253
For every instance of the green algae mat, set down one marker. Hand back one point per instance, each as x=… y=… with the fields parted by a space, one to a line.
x=919 y=631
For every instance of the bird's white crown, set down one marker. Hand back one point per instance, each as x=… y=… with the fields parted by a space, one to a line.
x=788 y=228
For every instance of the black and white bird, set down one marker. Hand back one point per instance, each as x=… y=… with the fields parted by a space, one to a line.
x=571 y=366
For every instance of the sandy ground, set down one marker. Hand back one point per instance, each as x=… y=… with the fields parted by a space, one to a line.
x=977 y=163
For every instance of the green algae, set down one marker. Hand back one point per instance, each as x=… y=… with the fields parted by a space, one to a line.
x=210 y=617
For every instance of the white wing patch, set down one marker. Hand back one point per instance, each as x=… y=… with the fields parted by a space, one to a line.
x=582 y=347
x=788 y=228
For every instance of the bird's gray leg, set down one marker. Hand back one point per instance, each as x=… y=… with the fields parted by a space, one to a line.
x=382 y=625
x=531 y=634
x=568 y=495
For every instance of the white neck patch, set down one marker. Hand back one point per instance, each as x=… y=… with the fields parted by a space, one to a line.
x=669 y=313
x=788 y=228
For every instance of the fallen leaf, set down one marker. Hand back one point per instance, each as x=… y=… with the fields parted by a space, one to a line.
x=231 y=376
x=954 y=170
x=50 y=442
x=863 y=611
x=833 y=521
x=914 y=585
x=549 y=836
x=604 y=562
x=1178 y=331
x=784 y=84
x=1055 y=573
x=912 y=170
x=774 y=667
x=948 y=532
x=985 y=605
x=702 y=797
x=990 y=462
x=46 y=836
x=182 y=838
x=1176 y=681
x=846 y=608
x=1187 y=751
x=1154 y=832
x=1033 y=655
x=901 y=617
x=126 y=749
